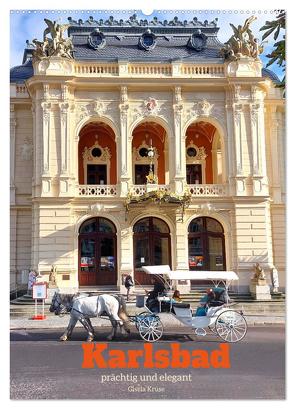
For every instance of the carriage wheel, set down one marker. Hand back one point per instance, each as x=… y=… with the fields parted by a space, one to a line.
x=212 y=328
x=231 y=326
x=140 y=317
x=150 y=328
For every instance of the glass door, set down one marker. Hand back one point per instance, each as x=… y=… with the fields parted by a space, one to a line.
x=107 y=261
x=88 y=264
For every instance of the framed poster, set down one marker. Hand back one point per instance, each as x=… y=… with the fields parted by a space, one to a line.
x=40 y=291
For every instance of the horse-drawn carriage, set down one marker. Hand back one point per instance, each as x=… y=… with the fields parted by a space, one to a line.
x=229 y=324
x=219 y=317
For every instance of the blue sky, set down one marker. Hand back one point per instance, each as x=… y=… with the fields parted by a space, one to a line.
x=29 y=24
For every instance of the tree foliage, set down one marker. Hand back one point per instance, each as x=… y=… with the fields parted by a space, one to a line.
x=278 y=54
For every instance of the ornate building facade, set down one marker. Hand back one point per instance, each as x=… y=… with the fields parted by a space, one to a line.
x=95 y=115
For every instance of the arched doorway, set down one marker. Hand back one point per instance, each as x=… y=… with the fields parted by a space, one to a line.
x=97 y=252
x=206 y=248
x=97 y=155
x=144 y=136
x=152 y=246
x=204 y=154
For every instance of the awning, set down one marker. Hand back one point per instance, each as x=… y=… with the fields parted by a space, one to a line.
x=191 y=275
x=203 y=275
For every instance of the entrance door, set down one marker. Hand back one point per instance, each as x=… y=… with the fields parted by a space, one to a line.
x=96 y=174
x=152 y=246
x=193 y=174
x=141 y=172
x=97 y=253
x=206 y=249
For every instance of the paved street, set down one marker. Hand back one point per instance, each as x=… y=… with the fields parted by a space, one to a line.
x=43 y=368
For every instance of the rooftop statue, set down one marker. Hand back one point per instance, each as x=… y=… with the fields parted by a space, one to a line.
x=56 y=46
x=242 y=43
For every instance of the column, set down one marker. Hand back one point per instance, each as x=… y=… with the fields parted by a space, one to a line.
x=275 y=157
x=178 y=160
x=259 y=175
x=12 y=153
x=124 y=165
x=238 y=168
x=64 y=143
x=46 y=179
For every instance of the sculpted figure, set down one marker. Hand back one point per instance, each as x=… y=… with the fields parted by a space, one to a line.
x=242 y=42
x=259 y=272
x=56 y=45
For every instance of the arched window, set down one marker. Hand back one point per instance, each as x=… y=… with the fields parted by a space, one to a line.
x=97 y=252
x=152 y=246
x=206 y=248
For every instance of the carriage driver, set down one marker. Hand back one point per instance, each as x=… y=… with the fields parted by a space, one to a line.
x=159 y=289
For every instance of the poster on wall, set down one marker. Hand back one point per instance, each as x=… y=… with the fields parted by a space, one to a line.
x=195 y=96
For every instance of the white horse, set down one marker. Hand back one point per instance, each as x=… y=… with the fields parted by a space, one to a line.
x=82 y=308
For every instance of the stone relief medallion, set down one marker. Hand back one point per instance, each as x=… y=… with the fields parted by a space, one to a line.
x=150 y=107
x=204 y=107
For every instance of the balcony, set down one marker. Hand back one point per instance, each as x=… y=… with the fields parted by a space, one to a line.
x=138 y=190
x=208 y=190
x=97 y=190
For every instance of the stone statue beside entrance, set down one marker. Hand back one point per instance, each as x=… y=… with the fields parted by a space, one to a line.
x=52 y=277
x=258 y=287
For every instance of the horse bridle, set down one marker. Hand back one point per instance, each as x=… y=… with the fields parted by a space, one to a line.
x=57 y=304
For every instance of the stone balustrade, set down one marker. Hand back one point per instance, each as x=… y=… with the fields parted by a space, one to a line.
x=207 y=190
x=97 y=190
x=138 y=190
x=151 y=70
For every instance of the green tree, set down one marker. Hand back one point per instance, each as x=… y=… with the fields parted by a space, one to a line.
x=278 y=54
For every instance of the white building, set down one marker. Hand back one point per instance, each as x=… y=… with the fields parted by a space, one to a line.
x=81 y=132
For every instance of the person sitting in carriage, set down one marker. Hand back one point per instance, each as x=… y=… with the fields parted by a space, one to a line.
x=159 y=289
x=214 y=297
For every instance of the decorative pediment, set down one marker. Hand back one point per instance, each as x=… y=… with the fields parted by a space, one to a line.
x=140 y=154
x=195 y=153
x=96 y=153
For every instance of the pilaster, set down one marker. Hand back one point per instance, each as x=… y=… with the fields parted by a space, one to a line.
x=240 y=177
x=274 y=151
x=179 y=143
x=124 y=166
x=259 y=175
x=13 y=124
x=46 y=177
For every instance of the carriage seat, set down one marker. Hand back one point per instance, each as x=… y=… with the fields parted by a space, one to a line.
x=180 y=305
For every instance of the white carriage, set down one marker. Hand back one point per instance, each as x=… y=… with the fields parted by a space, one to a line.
x=224 y=321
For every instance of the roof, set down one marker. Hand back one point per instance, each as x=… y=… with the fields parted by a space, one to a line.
x=122 y=40
x=20 y=73
x=173 y=40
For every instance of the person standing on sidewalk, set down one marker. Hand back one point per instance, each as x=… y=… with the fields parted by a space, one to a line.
x=128 y=284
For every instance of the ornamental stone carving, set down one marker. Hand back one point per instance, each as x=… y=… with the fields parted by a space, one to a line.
x=151 y=106
x=105 y=154
x=56 y=46
x=205 y=107
x=242 y=43
x=26 y=150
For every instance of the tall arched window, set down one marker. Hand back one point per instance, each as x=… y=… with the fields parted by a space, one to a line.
x=152 y=246
x=97 y=252
x=206 y=248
